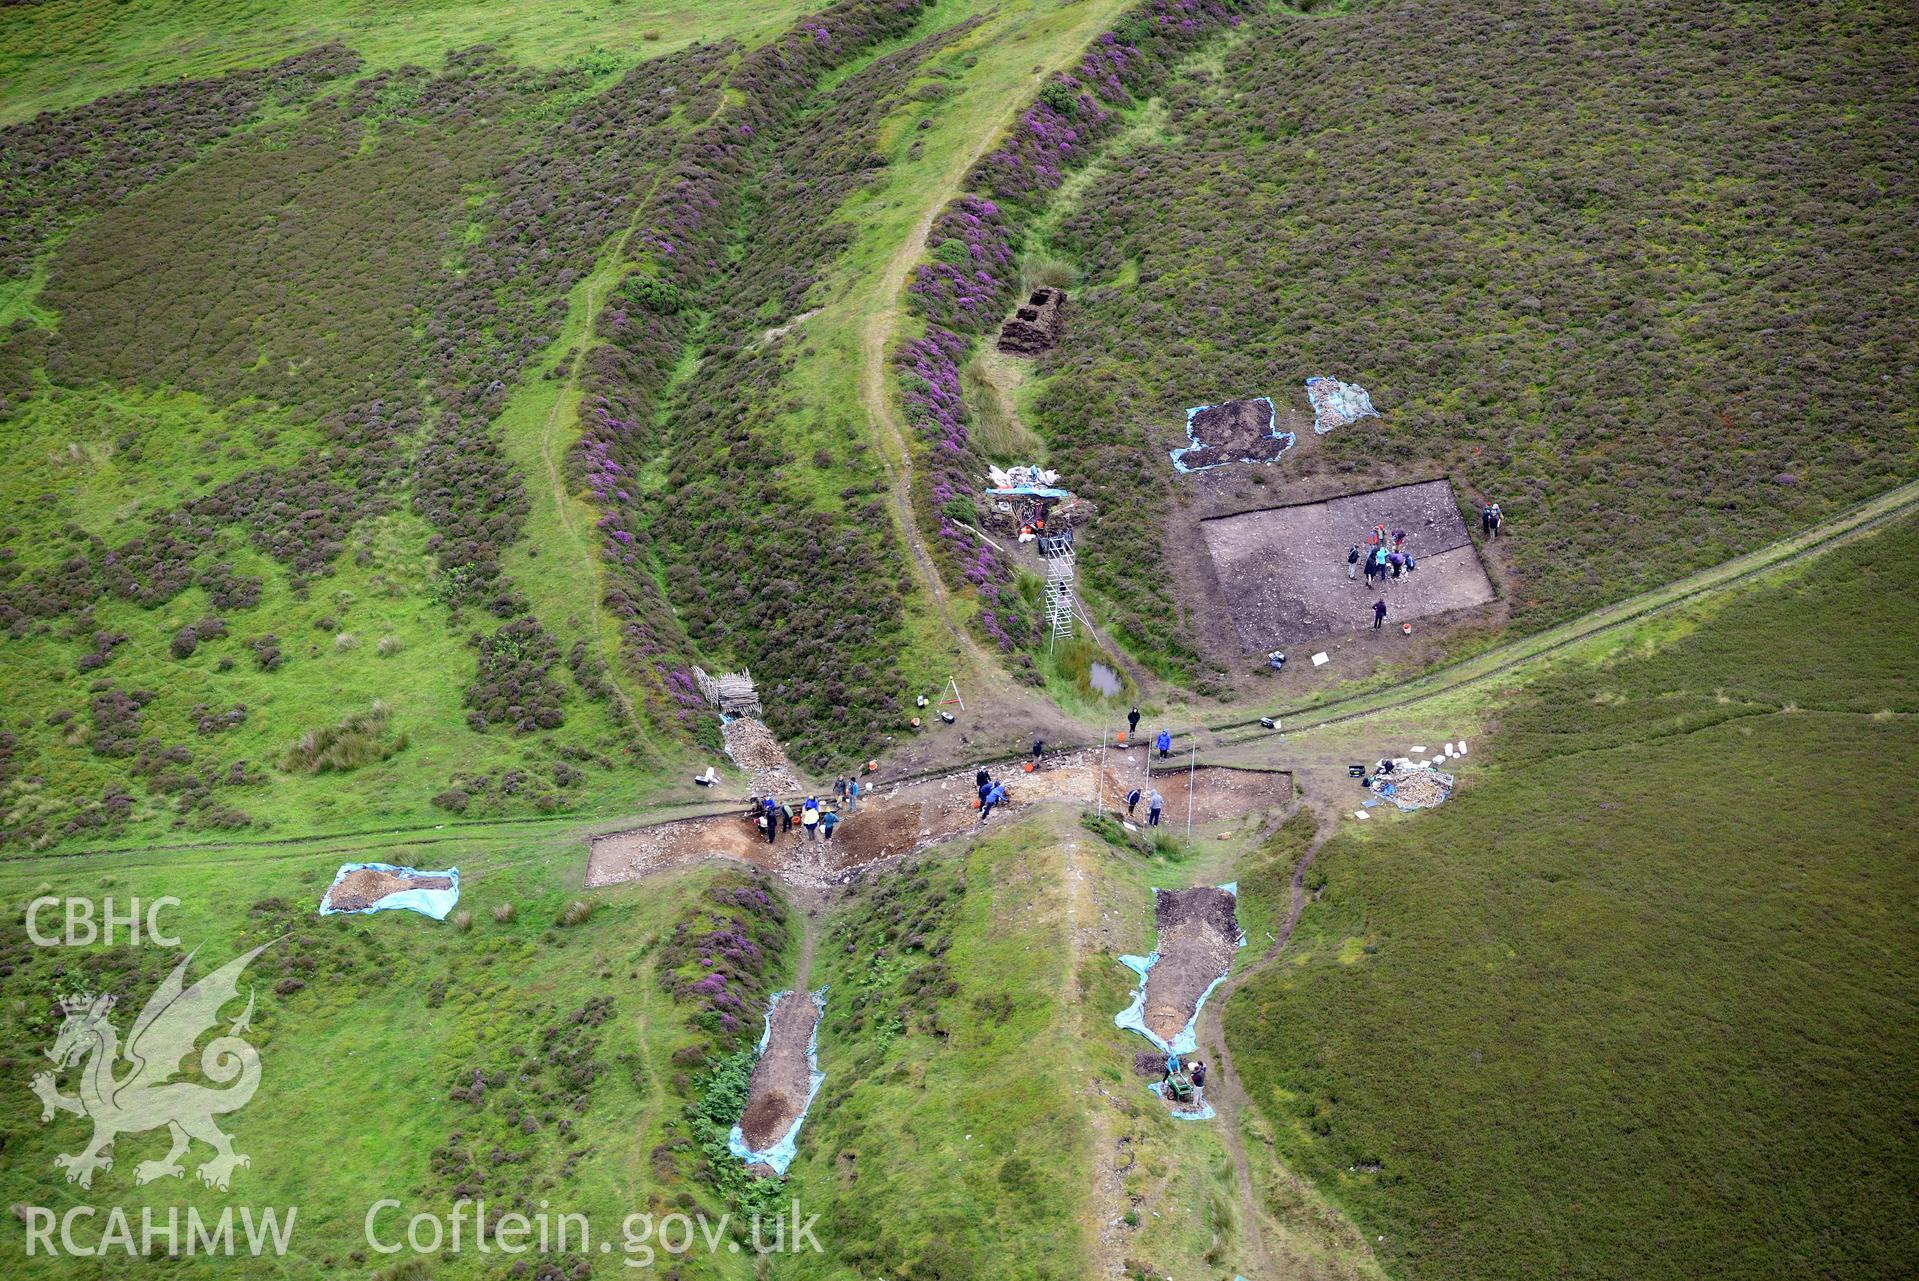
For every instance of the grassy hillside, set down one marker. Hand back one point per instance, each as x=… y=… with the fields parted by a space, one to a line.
x=293 y=388
x=1635 y=1001
x=371 y=1030
x=1635 y=273
x=56 y=53
x=482 y=391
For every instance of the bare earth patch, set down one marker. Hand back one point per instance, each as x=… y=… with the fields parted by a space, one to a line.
x=904 y=818
x=361 y=889
x=1198 y=932
x=1282 y=571
x=783 y=1078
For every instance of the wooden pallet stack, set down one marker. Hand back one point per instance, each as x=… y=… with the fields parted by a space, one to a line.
x=731 y=692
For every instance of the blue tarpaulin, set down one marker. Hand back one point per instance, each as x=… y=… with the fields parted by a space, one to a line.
x=1273 y=433
x=433 y=903
x=1134 y=1015
x=1030 y=491
x=1337 y=404
x=781 y=1154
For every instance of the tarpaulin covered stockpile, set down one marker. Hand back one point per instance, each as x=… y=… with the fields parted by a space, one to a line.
x=1337 y=404
x=382 y=887
x=778 y=1154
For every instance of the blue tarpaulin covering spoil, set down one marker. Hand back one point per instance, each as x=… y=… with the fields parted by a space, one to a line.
x=1134 y=1015
x=781 y=1154
x=433 y=903
x=1030 y=491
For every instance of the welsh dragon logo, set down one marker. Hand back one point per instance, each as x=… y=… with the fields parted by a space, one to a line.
x=132 y=1090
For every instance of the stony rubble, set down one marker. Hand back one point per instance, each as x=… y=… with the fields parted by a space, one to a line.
x=753 y=748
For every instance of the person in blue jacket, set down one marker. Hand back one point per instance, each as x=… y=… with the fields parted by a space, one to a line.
x=1164 y=742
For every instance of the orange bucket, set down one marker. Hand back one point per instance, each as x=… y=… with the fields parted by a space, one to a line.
x=1028 y=767
x=976 y=802
x=1121 y=740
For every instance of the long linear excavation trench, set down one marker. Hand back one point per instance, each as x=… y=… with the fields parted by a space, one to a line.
x=892 y=823
x=1198 y=934
x=786 y=1076
x=782 y=1085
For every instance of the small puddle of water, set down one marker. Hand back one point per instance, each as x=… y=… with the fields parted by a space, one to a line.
x=1105 y=680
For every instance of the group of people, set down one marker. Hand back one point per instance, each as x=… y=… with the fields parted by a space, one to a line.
x=774 y=817
x=1490 y=519
x=1154 y=804
x=991 y=791
x=1195 y=1071
x=1381 y=557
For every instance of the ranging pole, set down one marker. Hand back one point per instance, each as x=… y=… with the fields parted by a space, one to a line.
x=1192 y=762
x=1099 y=810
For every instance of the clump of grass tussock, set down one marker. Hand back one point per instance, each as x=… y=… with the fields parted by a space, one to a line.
x=1043 y=271
x=462 y=922
x=345 y=641
x=390 y=645
x=997 y=425
x=503 y=912
x=356 y=740
x=578 y=912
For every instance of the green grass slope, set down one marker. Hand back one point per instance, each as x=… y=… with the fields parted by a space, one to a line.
x=951 y=1135
x=370 y=1032
x=1637 y=1002
x=60 y=52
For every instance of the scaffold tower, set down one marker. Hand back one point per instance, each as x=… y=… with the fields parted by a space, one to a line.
x=1061 y=604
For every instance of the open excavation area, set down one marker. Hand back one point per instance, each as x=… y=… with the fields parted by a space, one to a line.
x=1198 y=933
x=474 y=472
x=1283 y=571
x=899 y=820
x=782 y=1080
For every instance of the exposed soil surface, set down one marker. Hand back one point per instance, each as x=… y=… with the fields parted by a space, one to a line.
x=782 y=1078
x=1218 y=793
x=1236 y=431
x=1282 y=571
x=1198 y=933
x=361 y=889
x=895 y=821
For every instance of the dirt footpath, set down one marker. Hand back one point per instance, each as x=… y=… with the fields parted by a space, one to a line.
x=783 y=1078
x=1198 y=933
x=1282 y=571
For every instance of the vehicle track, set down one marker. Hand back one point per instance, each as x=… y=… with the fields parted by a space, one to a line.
x=1228 y=1096
x=1853 y=523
